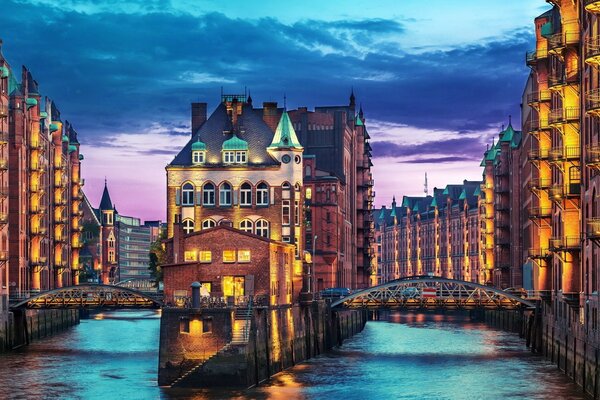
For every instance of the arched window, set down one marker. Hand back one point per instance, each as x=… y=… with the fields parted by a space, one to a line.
x=247 y=226
x=187 y=194
x=226 y=222
x=111 y=242
x=225 y=195
x=208 y=194
x=262 y=194
x=262 y=228
x=286 y=186
x=188 y=226
x=246 y=194
x=307 y=171
x=208 y=223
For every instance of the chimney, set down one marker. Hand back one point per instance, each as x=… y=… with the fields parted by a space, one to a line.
x=198 y=116
x=270 y=115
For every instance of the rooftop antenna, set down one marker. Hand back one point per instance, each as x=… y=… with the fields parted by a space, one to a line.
x=425 y=186
x=510 y=119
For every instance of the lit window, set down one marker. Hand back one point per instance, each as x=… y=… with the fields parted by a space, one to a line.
x=262 y=228
x=198 y=157
x=247 y=226
x=228 y=157
x=228 y=256
x=111 y=256
x=285 y=212
x=189 y=256
x=187 y=198
x=188 y=226
x=262 y=194
x=208 y=194
x=111 y=242
x=225 y=194
x=240 y=157
x=297 y=212
x=243 y=255
x=246 y=195
x=205 y=256
x=208 y=223
x=308 y=193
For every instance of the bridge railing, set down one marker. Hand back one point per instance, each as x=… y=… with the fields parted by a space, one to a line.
x=219 y=302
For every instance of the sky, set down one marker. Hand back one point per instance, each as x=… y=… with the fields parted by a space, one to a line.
x=436 y=79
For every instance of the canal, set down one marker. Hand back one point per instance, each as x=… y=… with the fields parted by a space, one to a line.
x=407 y=356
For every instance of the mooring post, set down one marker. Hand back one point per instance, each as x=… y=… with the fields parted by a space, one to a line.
x=196 y=294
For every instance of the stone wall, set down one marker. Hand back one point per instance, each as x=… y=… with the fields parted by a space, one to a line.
x=280 y=338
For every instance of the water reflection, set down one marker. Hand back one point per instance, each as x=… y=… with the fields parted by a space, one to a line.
x=413 y=356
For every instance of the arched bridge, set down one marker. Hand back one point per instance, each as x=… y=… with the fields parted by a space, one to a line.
x=433 y=293
x=90 y=296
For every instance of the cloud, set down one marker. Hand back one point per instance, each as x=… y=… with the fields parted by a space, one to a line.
x=438 y=160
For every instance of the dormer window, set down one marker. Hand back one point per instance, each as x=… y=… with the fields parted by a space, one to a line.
x=240 y=157
x=235 y=151
x=198 y=157
x=229 y=157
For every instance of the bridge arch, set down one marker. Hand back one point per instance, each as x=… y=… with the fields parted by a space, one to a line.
x=433 y=292
x=90 y=295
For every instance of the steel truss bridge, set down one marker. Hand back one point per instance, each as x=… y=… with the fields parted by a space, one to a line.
x=433 y=293
x=90 y=295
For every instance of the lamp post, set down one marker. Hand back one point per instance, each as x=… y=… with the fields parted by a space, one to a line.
x=310 y=280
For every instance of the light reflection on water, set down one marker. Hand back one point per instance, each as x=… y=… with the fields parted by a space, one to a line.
x=410 y=357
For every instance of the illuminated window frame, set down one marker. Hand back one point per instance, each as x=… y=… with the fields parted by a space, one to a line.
x=245 y=194
x=190 y=256
x=205 y=256
x=228 y=256
x=247 y=225
x=244 y=256
x=198 y=157
x=262 y=194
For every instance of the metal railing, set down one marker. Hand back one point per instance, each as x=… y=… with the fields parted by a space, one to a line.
x=538 y=253
x=539 y=183
x=592 y=226
x=562 y=115
x=592 y=49
x=565 y=243
x=540 y=212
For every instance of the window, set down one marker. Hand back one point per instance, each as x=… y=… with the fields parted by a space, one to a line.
x=111 y=242
x=108 y=217
x=247 y=226
x=208 y=194
x=240 y=157
x=207 y=323
x=187 y=195
x=111 y=256
x=205 y=256
x=184 y=325
x=228 y=256
x=262 y=194
x=188 y=226
x=208 y=223
x=285 y=212
x=246 y=194
x=225 y=195
x=243 y=255
x=262 y=228
x=189 y=256
x=228 y=157
x=197 y=157
x=297 y=212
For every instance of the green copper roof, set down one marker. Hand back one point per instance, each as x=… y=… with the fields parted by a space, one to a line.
x=463 y=195
x=65 y=138
x=446 y=191
x=72 y=148
x=393 y=213
x=491 y=154
x=198 y=146
x=507 y=134
x=53 y=127
x=477 y=191
x=3 y=72
x=235 y=143
x=285 y=135
x=359 y=121
x=81 y=157
x=405 y=202
x=416 y=207
x=434 y=202
x=43 y=114
x=382 y=214
x=31 y=102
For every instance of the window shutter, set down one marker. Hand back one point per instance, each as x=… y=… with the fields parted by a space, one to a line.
x=235 y=196
x=199 y=198
x=177 y=196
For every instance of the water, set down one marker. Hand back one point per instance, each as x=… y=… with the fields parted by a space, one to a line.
x=408 y=357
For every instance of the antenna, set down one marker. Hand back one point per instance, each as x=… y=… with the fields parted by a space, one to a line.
x=425 y=187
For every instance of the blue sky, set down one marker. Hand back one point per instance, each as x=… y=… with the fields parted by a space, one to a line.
x=436 y=79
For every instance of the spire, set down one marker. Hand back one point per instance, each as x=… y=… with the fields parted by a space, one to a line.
x=509 y=120
x=352 y=98
x=106 y=202
x=360 y=112
x=284 y=102
x=285 y=135
x=249 y=99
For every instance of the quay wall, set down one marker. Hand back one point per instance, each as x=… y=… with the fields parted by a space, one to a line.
x=279 y=338
x=21 y=327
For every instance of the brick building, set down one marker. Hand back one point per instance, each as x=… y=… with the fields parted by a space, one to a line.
x=230 y=263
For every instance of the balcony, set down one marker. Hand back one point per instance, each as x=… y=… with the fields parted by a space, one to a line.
x=558 y=192
x=38 y=230
x=3 y=137
x=60 y=166
x=592 y=228
x=563 y=116
x=60 y=203
x=3 y=255
x=592 y=156
x=538 y=253
x=36 y=189
x=532 y=57
x=36 y=146
x=538 y=97
x=3 y=165
x=76 y=245
x=3 y=111
x=565 y=243
x=592 y=50
x=540 y=212
x=533 y=126
x=538 y=154
x=539 y=183
x=592 y=102
x=78 y=196
x=556 y=43
x=564 y=153
x=36 y=209
x=3 y=191
x=592 y=6
x=37 y=261
x=36 y=167
x=60 y=220
x=3 y=218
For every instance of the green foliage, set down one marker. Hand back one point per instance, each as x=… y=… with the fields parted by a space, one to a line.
x=157 y=257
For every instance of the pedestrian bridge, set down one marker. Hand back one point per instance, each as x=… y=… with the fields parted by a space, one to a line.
x=433 y=293
x=90 y=295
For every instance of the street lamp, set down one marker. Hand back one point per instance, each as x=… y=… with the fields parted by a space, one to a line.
x=310 y=281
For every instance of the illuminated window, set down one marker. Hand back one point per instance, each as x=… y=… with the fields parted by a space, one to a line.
x=205 y=256
x=262 y=194
x=297 y=212
x=228 y=256
x=208 y=223
x=111 y=256
x=108 y=217
x=111 y=242
x=246 y=194
x=187 y=195
x=285 y=212
x=188 y=226
x=208 y=194
x=247 y=226
x=229 y=157
x=225 y=195
x=308 y=193
x=207 y=286
x=189 y=256
x=198 y=157
x=243 y=255
x=240 y=157
x=262 y=228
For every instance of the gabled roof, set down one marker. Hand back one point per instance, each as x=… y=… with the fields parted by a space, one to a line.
x=106 y=202
x=285 y=135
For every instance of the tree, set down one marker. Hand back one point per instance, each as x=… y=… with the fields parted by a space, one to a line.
x=157 y=257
